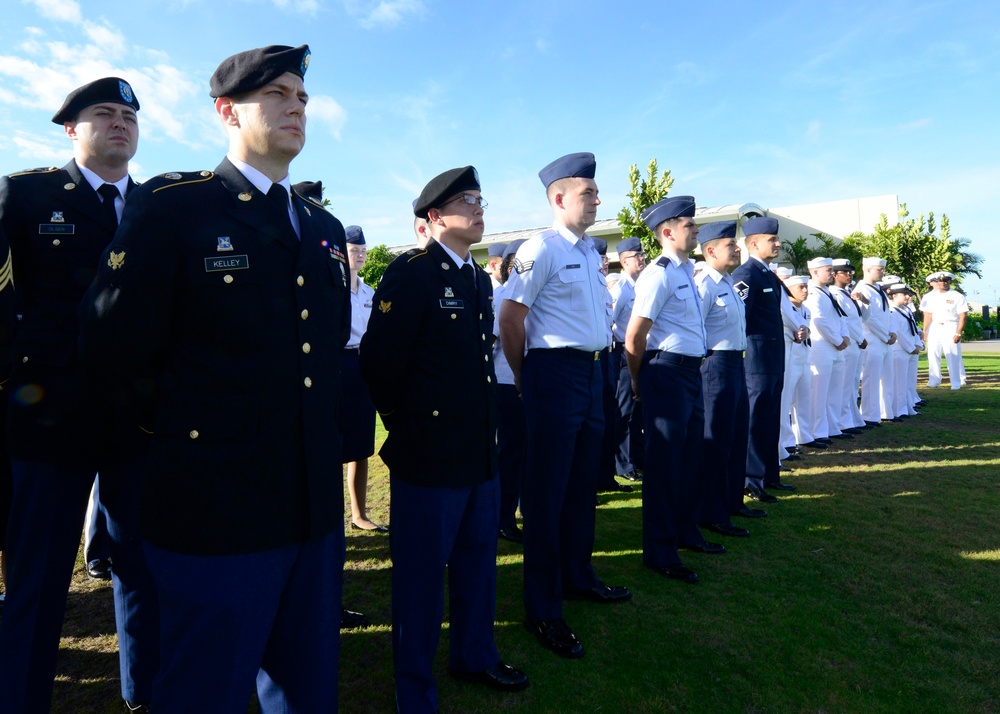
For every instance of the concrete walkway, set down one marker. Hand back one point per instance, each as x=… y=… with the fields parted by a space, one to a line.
x=981 y=346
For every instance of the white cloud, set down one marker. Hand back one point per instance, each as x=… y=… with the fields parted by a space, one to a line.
x=63 y=10
x=327 y=112
x=302 y=7
x=40 y=150
x=383 y=13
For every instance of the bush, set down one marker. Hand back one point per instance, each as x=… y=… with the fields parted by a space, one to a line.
x=973 y=327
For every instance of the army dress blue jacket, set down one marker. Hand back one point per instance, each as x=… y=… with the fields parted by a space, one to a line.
x=57 y=228
x=225 y=331
x=428 y=362
x=761 y=290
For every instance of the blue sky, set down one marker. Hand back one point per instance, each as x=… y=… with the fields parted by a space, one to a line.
x=779 y=103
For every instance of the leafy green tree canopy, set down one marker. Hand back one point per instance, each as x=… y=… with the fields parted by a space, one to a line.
x=379 y=257
x=643 y=194
x=799 y=253
x=914 y=248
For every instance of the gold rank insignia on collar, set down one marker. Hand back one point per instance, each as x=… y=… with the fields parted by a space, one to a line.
x=116 y=260
x=384 y=306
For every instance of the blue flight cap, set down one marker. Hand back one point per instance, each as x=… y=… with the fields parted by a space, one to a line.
x=716 y=230
x=581 y=165
x=512 y=247
x=761 y=225
x=355 y=235
x=672 y=207
x=628 y=245
x=497 y=250
x=601 y=245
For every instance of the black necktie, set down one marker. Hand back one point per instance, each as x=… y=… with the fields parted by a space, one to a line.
x=109 y=192
x=885 y=300
x=836 y=305
x=469 y=273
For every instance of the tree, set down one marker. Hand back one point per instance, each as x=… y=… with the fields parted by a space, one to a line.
x=379 y=257
x=913 y=248
x=798 y=252
x=643 y=194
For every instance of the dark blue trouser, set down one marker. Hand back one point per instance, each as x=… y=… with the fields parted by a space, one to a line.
x=228 y=621
x=724 y=387
x=674 y=416
x=564 y=419
x=609 y=408
x=629 y=456
x=43 y=536
x=136 y=605
x=764 y=394
x=510 y=452
x=438 y=530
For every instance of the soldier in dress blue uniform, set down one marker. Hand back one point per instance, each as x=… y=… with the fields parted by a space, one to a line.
x=59 y=221
x=665 y=346
x=427 y=359
x=221 y=309
x=765 y=360
x=557 y=307
x=723 y=380
x=628 y=431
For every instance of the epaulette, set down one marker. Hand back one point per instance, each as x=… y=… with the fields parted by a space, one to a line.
x=42 y=170
x=663 y=261
x=173 y=179
x=414 y=253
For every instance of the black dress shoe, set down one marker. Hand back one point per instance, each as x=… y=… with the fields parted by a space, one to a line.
x=872 y=424
x=779 y=486
x=815 y=445
x=921 y=403
x=617 y=488
x=786 y=469
x=792 y=457
x=748 y=512
x=854 y=430
x=350 y=620
x=605 y=594
x=514 y=535
x=129 y=707
x=500 y=676
x=705 y=547
x=99 y=569
x=758 y=494
x=726 y=529
x=792 y=449
x=678 y=571
x=376 y=529
x=556 y=636
x=845 y=435
x=824 y=440
x=633 y=475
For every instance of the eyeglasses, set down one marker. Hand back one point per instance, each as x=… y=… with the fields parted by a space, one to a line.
x=638 y=254
x=470 y=199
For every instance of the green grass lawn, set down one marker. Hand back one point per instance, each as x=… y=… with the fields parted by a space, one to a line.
x=873 y=588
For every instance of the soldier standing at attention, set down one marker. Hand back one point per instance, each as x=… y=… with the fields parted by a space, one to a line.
x=628 y=433
x=765 y=361
x=427 y=359
x=223 y=301
x=665 y=347
x=944 y=319
x=724 y=383
x=557 y=306
x=58 y=222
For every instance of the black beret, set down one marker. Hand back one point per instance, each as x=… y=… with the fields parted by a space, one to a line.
x=250 y=70
x=444 y=186
x=310 y=189
x=108 y=89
